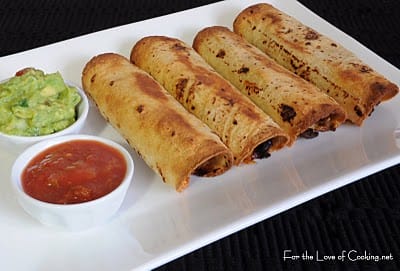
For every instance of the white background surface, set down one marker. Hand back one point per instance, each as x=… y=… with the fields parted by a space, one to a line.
x=157 y=224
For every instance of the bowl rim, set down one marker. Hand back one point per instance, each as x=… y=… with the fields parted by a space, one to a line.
x=28 y=154
x=81 y=118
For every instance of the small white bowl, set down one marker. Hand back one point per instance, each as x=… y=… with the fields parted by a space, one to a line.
x=77 y=216
x=20 y=142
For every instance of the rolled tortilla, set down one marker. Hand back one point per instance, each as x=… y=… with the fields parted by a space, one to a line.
x=241 y=125
x=174 y=143
x=315 y=57
x=295 y=104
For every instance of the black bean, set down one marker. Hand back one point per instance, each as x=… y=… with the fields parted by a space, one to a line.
x=261 y=151
x=309 y=133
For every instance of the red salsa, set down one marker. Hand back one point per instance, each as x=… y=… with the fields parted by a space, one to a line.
x=74 y=172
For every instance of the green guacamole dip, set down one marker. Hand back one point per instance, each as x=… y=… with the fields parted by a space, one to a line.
x=33 y=103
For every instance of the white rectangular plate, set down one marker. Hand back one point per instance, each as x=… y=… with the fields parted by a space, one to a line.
x=157 y=224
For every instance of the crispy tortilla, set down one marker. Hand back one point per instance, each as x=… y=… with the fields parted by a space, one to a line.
x=295 y=104
x=317 y=58
x=241 y=125
x=174 y=143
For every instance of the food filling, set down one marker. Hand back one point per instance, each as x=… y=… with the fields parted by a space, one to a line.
x=261 y=151
x=309 y=133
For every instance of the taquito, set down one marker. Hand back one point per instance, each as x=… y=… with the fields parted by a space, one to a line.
x=247 y=131
x=295 y=104
x=317 y=58
x=172 y=142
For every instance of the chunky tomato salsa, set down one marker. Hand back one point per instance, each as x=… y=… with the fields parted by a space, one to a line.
x=74 y=172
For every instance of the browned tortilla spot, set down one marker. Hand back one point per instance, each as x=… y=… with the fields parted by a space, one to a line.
x=365 y=69
x=150 y=86
x=140 y=108
x=243 y=70
x=311 y=35
x=251 y=87
x=179 y=47
x=287 y=112
x=221 y=53
x=378 y=87
x=180 y=88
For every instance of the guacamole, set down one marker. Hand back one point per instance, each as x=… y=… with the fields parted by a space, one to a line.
x=33 y=103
